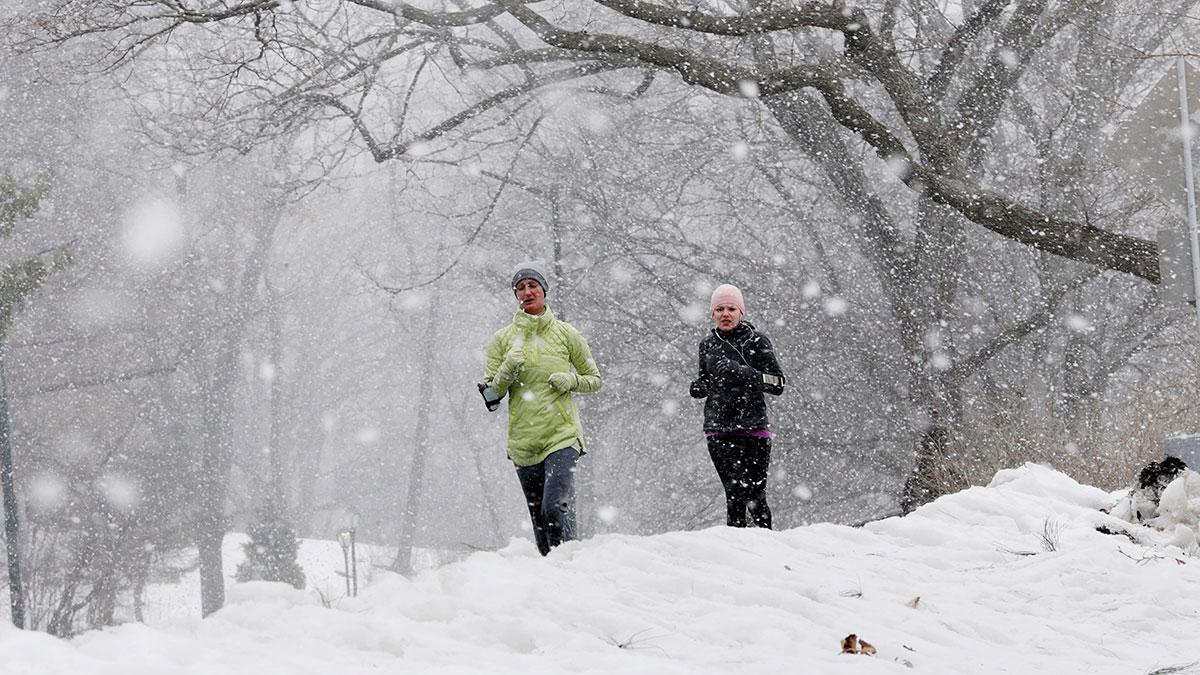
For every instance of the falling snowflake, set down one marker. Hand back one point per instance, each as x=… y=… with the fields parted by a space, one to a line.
x=152 y=234
x=835 y=306
x=607 y=514
x=1079 y=324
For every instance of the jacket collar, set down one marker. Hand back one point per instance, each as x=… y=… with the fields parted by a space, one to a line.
x=740 y=332
x=529 y=322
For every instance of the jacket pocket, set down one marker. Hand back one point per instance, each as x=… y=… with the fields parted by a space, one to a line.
x=562 y=410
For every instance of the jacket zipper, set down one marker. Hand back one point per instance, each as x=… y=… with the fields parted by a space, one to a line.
x=562 y=410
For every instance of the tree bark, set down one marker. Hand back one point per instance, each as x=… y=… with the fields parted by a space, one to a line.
x=277 y=496
x=219 y=386
x=216 y=462
x=12 y=529
x=411 y=513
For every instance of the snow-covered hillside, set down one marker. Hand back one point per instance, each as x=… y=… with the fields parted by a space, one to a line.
x=1011 y=578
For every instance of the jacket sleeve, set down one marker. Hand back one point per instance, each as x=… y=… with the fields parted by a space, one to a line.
x=765 y=358
x=587 y=375
x=496 y=350
x=699 y=388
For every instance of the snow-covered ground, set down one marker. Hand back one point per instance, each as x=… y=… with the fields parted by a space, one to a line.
x=1011 y=578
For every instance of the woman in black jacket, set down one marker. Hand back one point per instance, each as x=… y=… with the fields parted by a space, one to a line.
x=737 y=365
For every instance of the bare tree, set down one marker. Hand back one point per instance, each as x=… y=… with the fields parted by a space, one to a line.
x=918 y=115
x=19 y=279
x=933 y=109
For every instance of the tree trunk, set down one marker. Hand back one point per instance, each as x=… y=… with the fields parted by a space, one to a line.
x=102 y=600
x=310 y=448
x=214 y=476
x=919 y=286
x=937 y=470
x=489 y=503
x=12 y=530
x=410 y=515
x=277 y=499
x=218 y=409
x=212 y=576
x=139 y=591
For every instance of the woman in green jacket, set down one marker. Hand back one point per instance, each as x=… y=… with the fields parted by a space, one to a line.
x=538 y=361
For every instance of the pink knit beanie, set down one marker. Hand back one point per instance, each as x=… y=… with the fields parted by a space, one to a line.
x=727 y=294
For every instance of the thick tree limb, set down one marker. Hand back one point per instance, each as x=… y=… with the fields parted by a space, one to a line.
x=1013 y=52
x=440 y=19
x=956 y=49
x=806 y=15
x=1066 y=238
x=862 y=45
x=1062 y=237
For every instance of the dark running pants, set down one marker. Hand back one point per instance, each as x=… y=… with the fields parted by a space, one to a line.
x=550 y=493
x=742 y=463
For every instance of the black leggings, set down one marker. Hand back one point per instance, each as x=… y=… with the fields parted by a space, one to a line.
x=742 y=463
x=549 y=489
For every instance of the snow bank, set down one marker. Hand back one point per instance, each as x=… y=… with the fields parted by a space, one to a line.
x=1010 y=578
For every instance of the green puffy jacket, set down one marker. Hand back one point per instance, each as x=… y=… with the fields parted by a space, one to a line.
x=521 y=358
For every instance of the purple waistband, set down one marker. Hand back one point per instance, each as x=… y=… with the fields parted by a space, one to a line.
x=747 y=433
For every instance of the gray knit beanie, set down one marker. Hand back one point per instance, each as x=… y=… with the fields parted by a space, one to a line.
x=530 y=270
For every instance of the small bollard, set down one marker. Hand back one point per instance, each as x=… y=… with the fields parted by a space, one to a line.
x=349 y=560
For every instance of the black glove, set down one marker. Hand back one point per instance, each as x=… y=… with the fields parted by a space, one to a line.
x=699 y=388
x=718 y=363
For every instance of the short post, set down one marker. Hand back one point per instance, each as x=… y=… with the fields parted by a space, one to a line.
x=345 y=538
x=353 y=564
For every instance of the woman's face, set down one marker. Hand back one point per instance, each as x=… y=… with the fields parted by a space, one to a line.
x=531 y=295
x=727 y=316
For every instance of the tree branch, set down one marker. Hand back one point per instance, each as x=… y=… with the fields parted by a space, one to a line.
x=487 y=216
x=1062 y=237
x=382 y=153
x=956 y=48
x=440 y=19
x=1038 y=319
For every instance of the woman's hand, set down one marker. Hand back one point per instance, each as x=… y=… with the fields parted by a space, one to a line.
x=563 y=382
x=511 y=366
x=721 y=365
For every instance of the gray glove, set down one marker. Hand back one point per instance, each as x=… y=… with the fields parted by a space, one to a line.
x=564 y=382
x=511 y=366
